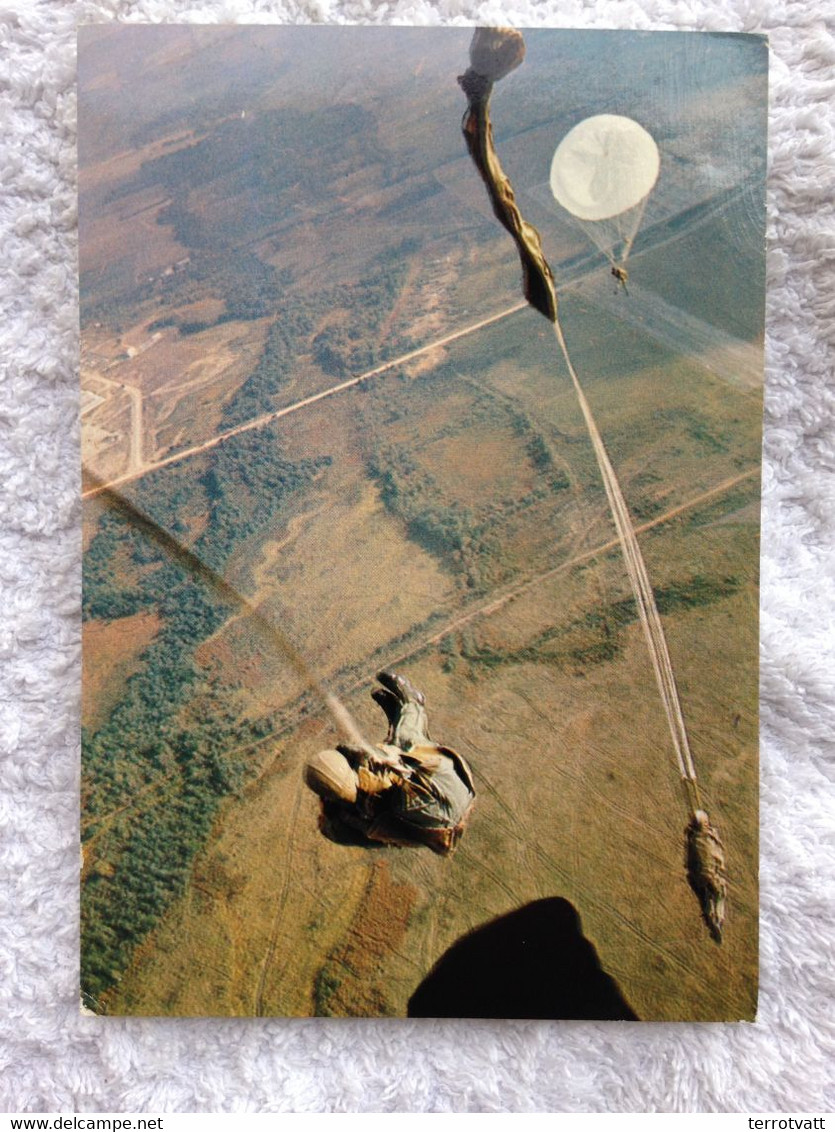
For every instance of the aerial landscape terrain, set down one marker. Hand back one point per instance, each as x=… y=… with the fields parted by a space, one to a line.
x=306 y=360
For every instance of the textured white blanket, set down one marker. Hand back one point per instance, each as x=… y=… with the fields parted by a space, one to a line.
x=55 y=1060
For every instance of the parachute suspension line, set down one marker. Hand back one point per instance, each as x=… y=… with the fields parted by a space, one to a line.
x=614 y=236
x=634 y=227
x=642 y=590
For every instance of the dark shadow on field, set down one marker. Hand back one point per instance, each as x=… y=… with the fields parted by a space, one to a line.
x=531 y=963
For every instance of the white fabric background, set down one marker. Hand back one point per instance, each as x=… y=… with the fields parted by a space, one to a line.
x=52 y=1059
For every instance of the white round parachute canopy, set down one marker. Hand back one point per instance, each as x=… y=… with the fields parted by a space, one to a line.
x=602 y=173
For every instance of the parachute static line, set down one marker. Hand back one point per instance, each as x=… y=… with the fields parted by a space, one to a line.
x=705 y=853
x=642 y=589
x=267 y=628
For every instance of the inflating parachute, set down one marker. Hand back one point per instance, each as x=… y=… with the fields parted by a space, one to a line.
x=602 y=173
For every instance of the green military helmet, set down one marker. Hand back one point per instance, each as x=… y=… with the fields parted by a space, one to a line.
x=331 y=776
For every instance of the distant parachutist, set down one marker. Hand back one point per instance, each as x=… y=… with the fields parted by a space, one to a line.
x=494 y=53
x=602 y=174
x=621 y=274
x=706 y=871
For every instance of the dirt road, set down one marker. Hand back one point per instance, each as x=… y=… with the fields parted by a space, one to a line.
x=136 y=466
x=496 y=604
x=137 y=472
